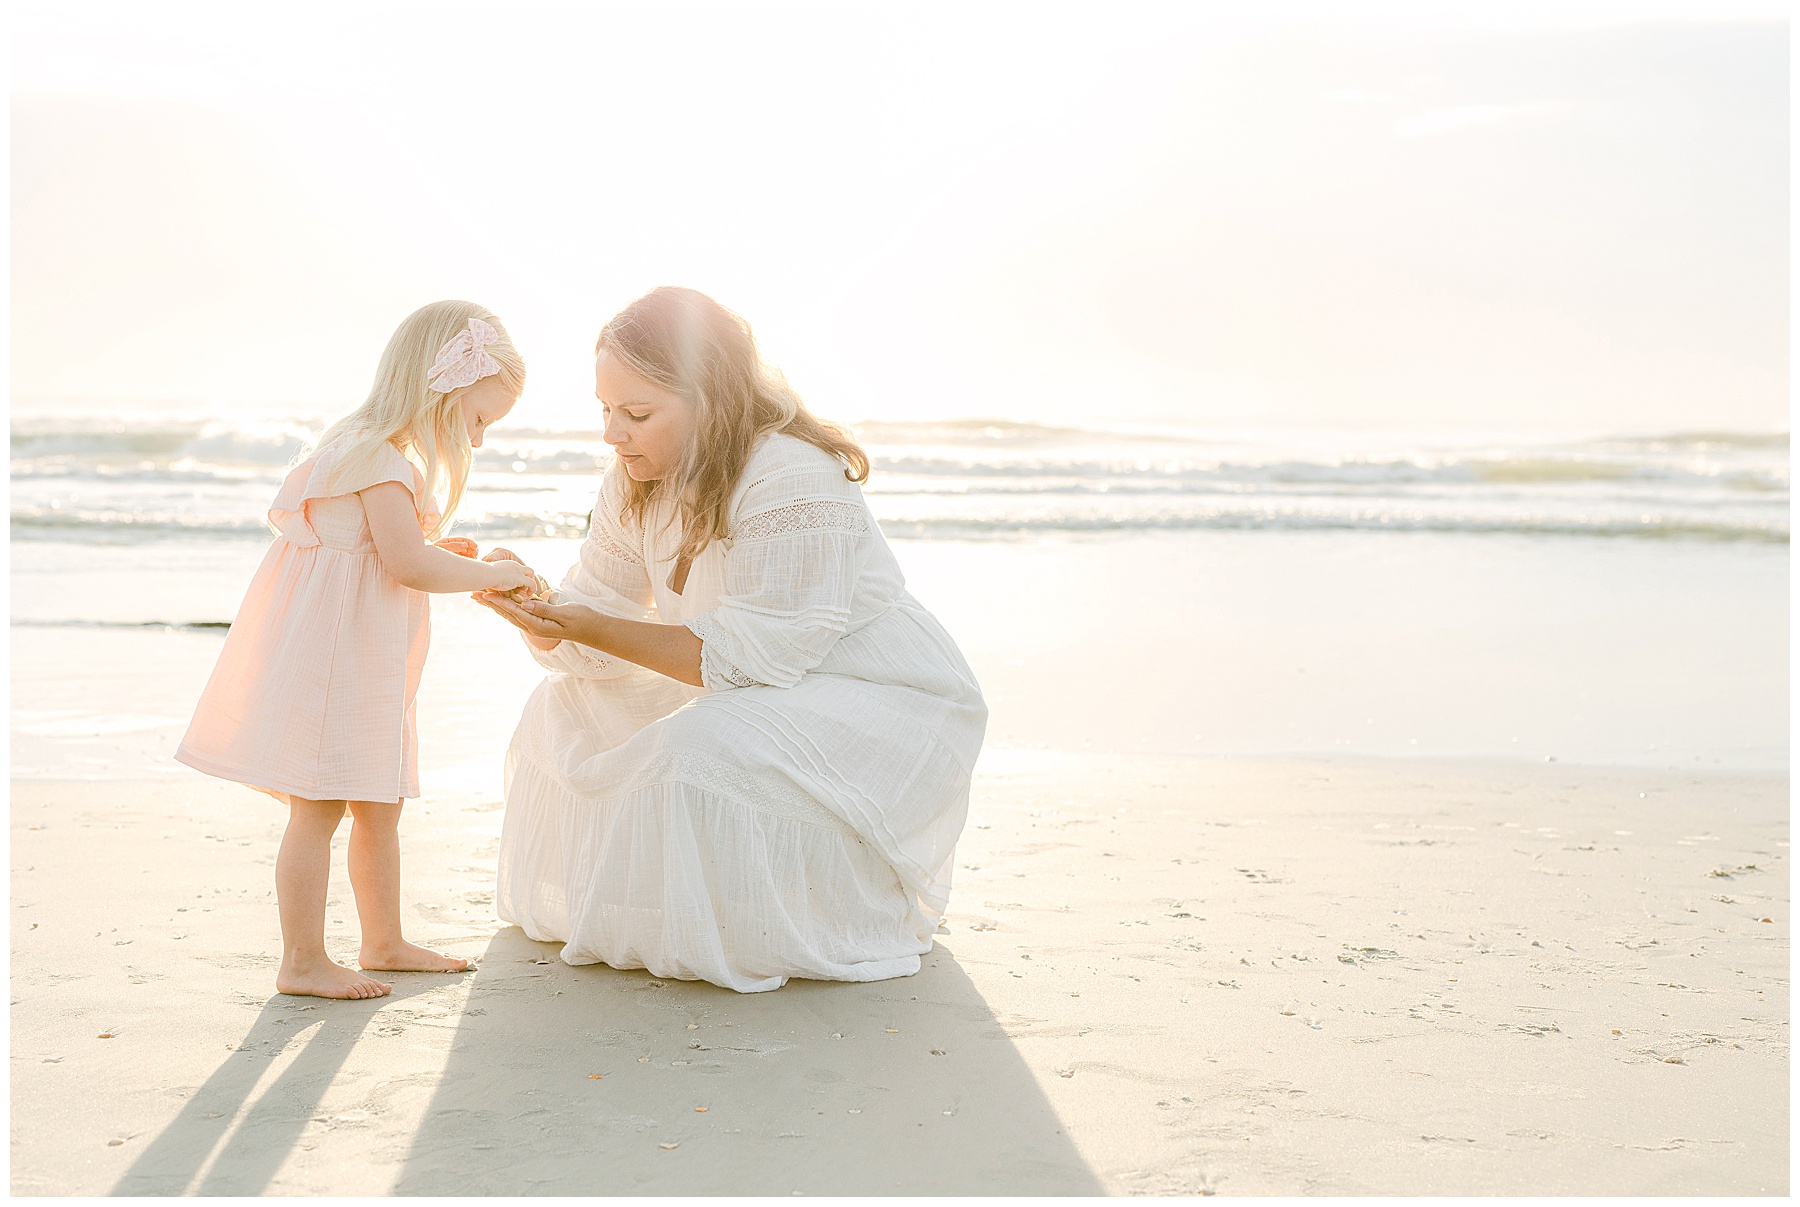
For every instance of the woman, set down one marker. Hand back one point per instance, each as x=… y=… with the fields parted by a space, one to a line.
x=754 y=761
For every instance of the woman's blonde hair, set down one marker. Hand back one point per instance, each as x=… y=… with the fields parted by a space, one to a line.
x=426 y=426
x=683 y=341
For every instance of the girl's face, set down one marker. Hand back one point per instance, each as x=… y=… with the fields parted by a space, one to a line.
x=648 y=426
x=486 y=402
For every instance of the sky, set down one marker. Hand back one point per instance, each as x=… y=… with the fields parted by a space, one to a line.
x=1453 y=216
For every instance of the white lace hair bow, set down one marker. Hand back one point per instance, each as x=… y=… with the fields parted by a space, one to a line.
x=463 y=361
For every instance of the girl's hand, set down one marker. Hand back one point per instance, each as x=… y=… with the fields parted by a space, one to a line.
x=499 y=554
x=510 y=575
x=462 y=546
x=544 y=623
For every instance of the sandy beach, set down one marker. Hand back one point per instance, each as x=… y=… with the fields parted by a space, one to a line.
x=1352 y=976
x=1179 y=959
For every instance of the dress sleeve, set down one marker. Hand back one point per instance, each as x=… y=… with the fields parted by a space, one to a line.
x=318 y=477
x=799 y=537
x=610 y=577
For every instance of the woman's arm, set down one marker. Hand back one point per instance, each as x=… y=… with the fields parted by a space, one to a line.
x=406 y=557
x=801 y=535
x=668 y=649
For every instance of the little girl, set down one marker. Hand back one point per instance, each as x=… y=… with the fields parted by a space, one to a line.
x=312 y=697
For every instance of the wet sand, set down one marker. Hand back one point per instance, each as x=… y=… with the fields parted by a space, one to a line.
x=1169 y=975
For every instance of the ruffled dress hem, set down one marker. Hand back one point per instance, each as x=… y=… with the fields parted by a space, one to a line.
x=825 y=906
x=247 y=778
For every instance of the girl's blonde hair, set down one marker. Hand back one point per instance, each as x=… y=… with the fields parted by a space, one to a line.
x=426 y=426
x=683 y=341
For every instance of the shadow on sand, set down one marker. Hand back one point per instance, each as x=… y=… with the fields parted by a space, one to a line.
x=200 y=1152
x=907 y=1086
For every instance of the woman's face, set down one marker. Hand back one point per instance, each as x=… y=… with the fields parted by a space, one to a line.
x=648 y=426
x=484 y=403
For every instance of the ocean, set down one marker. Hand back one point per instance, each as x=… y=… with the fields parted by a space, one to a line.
x=115 y=479
x=1135 y=587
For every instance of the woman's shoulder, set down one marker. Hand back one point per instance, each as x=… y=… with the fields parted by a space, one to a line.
x=790 y=485
x=779 y=456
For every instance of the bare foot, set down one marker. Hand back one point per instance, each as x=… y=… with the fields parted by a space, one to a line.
x=326 y=978
x=408 y=957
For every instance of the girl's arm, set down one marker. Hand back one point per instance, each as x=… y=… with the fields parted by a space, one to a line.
x=406 y=557
x=667 y=649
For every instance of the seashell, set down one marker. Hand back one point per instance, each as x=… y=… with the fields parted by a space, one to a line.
x=540 y=592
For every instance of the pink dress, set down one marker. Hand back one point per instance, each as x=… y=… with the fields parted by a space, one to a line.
x=313 y=693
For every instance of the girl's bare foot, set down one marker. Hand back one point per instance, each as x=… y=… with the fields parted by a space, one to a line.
x=408 y=957
x=326 y=978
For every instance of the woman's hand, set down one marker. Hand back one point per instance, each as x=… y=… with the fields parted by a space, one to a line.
x=545 y=624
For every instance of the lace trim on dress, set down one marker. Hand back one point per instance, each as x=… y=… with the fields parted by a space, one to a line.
x=715 y=671
x=813 y=515
x=603 y=540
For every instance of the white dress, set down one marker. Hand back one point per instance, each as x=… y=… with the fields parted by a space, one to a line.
x=796 y=816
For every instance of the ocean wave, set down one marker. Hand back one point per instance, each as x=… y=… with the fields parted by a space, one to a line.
x=64 y=623
x=510 y=471
x=100 y=527
x=1338 y=473
x=1654 y=527
x=181 y=473
x=985 y=432
x=112 y=526
x=115 y=479
x=1700 y=441
x=106 y=526
x=578 y=460
x=212 y=442
x=973 y=447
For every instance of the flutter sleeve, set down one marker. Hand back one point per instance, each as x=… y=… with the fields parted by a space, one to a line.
x=610 y=577
x=323 y=476
x=799 y=537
